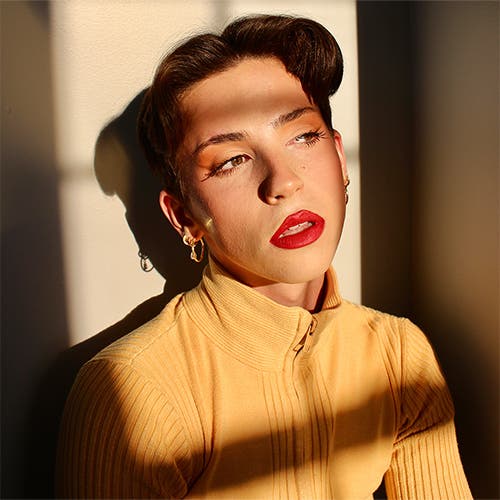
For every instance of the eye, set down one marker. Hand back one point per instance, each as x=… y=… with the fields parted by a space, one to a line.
x=229 y=166
x=309 y=138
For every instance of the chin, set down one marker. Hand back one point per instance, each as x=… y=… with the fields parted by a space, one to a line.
x=304 y=270
x=281 y=266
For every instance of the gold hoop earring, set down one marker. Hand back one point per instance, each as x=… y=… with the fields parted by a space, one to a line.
x=191 y=242
x=346 y=193
x=146 y=264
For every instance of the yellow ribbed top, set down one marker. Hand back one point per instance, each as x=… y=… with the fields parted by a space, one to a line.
x=227 y=394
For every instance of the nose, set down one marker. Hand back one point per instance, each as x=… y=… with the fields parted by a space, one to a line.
x=281 y=182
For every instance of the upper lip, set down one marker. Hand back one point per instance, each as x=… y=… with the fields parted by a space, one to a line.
x=297 y=218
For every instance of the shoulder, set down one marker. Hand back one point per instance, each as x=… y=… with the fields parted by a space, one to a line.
x=387 y=328
x=144 y=342
x=123 y=419
x=404 y=347
x=407 y=351
x=134 y=375
x=395 y=330
x=147 y=356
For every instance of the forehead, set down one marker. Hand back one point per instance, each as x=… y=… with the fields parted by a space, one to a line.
x=255 y=89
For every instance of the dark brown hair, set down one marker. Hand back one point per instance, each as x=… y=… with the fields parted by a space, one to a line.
x=307 y=50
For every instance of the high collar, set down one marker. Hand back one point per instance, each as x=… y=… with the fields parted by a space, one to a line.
x=246 y=324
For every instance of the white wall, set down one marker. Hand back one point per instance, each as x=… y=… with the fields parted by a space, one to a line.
x=76 y=205
x=104 y=53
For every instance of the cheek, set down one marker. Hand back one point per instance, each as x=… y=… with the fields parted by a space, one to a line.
x=233 y=231
x=327 y=159
x=198 y=209
x=328 y=177
x=220 y=217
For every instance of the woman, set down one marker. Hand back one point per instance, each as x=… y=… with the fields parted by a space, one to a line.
x=261 y=382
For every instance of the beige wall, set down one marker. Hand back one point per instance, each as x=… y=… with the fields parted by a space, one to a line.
x=104 y=54
x=78 y=201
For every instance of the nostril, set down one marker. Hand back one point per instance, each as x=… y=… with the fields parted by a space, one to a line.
x=281 y=182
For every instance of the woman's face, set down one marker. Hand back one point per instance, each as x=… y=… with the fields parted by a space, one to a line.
x=263 y=175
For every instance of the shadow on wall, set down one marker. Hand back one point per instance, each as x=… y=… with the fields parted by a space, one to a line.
x=121 y=170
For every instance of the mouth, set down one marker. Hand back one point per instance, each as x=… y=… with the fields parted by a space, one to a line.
x=298 y=230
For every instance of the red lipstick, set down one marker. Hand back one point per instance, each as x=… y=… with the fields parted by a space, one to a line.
x=298 y=230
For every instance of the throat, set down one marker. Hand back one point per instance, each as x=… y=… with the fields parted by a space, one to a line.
x=310 y=295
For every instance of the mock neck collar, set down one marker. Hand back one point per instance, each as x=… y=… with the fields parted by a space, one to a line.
x=246 y=324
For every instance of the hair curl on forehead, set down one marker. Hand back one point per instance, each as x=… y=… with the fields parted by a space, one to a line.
x=307 y=50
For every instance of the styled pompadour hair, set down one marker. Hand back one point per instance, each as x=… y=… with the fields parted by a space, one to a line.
x=307 y=50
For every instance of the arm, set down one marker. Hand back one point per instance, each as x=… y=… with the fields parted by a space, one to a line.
x=120 y=438
x=425 y=462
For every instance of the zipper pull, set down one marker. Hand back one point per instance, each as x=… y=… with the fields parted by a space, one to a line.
x=306 y=340
x=309 y=334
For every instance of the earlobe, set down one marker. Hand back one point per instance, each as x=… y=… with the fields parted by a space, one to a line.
x=178 y=216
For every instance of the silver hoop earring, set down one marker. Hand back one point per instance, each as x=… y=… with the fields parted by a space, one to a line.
x=146 y=264
x=191 y=242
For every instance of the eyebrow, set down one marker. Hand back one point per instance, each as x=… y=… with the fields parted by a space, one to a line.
x=239 y=136
x=292 y=115
x=220 y=138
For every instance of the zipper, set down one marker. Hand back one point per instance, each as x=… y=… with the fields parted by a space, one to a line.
x=306 y=341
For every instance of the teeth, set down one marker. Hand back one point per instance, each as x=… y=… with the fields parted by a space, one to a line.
x=296 y=229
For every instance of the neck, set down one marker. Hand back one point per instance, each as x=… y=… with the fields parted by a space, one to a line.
x=308 y=295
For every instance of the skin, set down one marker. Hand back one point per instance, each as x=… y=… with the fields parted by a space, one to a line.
x=257 y=150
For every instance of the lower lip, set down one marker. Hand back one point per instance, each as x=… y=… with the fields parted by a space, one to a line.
x=302 y=239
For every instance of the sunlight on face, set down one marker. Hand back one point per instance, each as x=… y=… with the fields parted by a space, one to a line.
x=265 y=176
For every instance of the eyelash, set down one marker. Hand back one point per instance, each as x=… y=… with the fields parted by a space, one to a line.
x=218 y=170
x=312 y=137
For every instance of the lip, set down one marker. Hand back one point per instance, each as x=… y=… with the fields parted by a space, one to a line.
x=302 y=238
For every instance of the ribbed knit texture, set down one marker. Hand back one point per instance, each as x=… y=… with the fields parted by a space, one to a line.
x=227 y=394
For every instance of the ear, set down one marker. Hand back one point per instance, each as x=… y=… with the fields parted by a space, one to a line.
x=178 y=215
x=339 y=146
